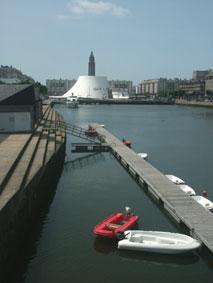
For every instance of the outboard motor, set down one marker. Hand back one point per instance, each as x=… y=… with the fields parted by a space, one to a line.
x=127 y=210
x=121 y=235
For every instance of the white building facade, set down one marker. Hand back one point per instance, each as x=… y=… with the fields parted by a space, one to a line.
x=158 y=86
x=95 y=87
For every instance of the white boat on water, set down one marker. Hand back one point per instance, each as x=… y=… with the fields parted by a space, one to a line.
x=187 y=189
x=206 y=203
x=143 y=155
x=72 y=102
x=158 y=242
x=175 y=179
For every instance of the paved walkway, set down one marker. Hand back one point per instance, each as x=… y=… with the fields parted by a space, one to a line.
x=10 y=147
x=3 y=137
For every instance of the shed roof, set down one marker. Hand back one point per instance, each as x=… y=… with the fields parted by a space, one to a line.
x=7 y=90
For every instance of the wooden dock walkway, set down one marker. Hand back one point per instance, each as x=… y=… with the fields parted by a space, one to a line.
x=179 y=205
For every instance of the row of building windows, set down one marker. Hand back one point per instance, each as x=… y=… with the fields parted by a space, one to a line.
x=201 y=82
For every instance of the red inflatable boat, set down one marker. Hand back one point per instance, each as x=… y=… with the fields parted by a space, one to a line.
x=127 y=143
x=91 y=133
x=115 y=224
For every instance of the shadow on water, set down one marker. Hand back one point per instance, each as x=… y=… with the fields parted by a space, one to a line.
x=159 y=259
x=207 y=256
x=105 y=246
x=39 y=207
x=28 y=250
x=84 y=161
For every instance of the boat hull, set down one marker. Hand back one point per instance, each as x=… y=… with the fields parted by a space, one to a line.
x=143 y=155
x=206 y=203
x=175 y=179
x=115 y=224
x=187 y=189
x=158 y=242
x=91 y=133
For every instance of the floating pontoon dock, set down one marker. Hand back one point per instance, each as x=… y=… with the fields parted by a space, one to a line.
x=179 y=205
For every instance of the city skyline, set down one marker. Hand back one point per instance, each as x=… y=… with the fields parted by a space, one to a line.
x=131 y=41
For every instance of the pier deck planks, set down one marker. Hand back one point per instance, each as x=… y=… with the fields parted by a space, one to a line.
x=185 y=209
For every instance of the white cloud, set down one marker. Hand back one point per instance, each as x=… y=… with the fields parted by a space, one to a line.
x=80 y=7
x=62 y=17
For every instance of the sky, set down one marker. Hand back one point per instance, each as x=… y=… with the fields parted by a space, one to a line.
x=131 y=39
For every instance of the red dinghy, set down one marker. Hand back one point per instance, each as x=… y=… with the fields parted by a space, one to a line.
x=91 y=132
x=127 y=143
x=115 y=224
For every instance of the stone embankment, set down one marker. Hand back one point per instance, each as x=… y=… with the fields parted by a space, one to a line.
x=30 y=165
x=194 y=103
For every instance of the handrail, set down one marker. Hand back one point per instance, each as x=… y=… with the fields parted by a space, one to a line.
x=76 y=131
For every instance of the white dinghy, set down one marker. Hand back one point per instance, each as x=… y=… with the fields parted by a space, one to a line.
x=206 y=203
x=72 y=102
x=175 y=179
x=187 y=189
x=158 y=242
x=143 y=155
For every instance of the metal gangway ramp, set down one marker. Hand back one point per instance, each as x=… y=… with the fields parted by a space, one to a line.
x=77 y=132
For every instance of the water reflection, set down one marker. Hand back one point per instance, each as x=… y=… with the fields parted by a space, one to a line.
x=207 y=256
x=105 y=246
x=29 y=248
x=160 y=259
x=84 y=161
x=207 y=115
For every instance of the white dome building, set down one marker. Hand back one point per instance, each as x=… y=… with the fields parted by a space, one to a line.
x=89 y=87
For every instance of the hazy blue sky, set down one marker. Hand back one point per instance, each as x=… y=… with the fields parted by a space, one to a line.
x=131 y=39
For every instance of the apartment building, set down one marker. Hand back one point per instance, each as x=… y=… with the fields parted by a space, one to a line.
x=58 y=87
x=120 y=86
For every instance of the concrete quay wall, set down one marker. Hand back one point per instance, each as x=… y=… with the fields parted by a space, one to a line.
x=29 y=190
x=193 y=103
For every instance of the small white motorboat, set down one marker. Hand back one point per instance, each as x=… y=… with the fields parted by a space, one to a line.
x=175 y=179
x=158 y=242
x=206 y=203
x=143 y=155
x=187 y=189
x=72 y=102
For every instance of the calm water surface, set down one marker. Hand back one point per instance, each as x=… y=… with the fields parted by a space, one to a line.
x=179 y=141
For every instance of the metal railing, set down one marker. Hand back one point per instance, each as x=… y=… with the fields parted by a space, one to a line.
x=77 y=132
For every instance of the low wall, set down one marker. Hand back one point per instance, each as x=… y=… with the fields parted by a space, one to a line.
x=24 y=212
x=194 y=103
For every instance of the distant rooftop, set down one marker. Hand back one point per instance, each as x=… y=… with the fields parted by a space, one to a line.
x=7 y=90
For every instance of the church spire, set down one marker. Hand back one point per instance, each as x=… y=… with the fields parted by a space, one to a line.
x=91 y=67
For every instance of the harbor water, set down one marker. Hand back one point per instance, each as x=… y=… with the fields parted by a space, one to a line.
x=179 y=141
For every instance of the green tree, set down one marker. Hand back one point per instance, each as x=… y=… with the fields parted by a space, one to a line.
x=42 y=88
